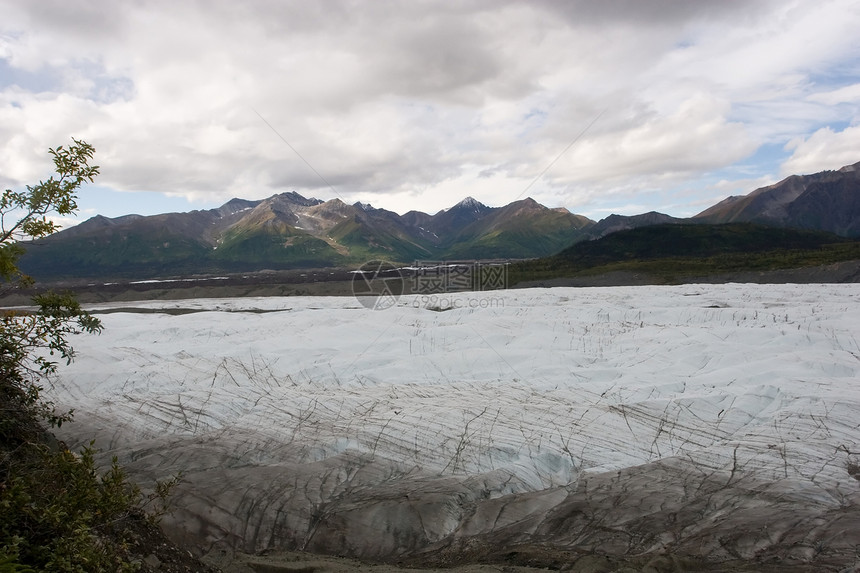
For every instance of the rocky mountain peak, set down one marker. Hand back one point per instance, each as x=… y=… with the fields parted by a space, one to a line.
x=472 y=204
x=236 y=205
x=855 y=168
x=824 y=201
x=297 y=199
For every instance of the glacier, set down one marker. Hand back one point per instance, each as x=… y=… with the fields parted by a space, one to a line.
x=713 y=420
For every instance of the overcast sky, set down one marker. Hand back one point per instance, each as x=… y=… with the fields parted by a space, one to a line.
x=602 y=107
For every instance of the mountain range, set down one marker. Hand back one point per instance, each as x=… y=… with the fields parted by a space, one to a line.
x=825 y=201
x=291 y=231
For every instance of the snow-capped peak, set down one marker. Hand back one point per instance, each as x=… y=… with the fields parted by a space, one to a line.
x=471 y=203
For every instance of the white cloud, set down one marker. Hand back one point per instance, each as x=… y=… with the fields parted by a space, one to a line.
x=696 y=137
x=824 y=149
x=847 y=94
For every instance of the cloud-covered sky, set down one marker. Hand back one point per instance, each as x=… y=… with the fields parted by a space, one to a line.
x=617 y=106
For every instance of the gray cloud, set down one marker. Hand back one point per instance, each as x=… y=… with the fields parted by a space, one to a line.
x=417 y=104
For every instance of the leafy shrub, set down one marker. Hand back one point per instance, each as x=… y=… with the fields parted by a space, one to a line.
x=57 y=513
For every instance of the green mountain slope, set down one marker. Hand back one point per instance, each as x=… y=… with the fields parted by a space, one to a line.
x=364 y=239
x=137 y=252
x=672 y=251
x=693 y=240
x=252 y=249
x=523 y=229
